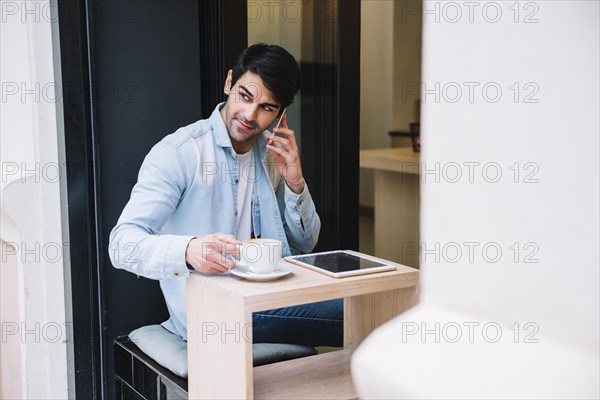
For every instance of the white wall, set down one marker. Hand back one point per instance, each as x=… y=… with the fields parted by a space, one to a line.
x=376 y=83
x=407 y=32
x=33 y=202
x=390 y=72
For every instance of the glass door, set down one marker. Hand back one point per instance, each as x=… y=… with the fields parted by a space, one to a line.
x=324 y=37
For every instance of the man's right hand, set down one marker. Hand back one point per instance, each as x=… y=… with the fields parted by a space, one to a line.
x=205 y=254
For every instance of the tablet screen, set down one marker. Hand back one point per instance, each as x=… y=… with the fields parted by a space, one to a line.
x=338 y=261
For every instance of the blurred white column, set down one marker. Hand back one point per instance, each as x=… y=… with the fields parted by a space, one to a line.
x=509 y=210
x=33 y=225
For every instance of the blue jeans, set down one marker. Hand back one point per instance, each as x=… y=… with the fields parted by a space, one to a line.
x=315 y=324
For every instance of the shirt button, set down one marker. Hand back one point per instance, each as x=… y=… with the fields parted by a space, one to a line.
x=176 y=273
x=237 y=181
x=236 y=213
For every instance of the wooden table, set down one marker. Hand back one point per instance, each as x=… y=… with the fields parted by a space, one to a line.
x=220 y=308
x=397 y=200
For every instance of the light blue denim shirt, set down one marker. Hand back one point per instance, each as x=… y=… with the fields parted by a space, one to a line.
x=186 y=188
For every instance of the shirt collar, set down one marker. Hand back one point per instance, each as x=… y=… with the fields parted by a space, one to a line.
x=222 y=137
x=261 y=145
x=216 y=121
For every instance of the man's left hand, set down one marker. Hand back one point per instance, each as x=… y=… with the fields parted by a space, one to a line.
x=286 y=157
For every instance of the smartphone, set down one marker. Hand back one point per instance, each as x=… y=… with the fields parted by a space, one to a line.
x=269 y=141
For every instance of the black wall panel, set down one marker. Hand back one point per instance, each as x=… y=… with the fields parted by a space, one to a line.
x=145 y=69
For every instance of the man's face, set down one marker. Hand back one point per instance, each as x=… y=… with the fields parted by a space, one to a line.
x=250 y=109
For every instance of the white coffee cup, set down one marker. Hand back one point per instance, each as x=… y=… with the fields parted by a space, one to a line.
x=261 y=256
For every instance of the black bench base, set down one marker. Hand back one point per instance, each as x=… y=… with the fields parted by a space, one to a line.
x=138 y=377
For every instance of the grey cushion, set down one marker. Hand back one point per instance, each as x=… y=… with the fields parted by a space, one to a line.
x=267 y=353
x=170 y=350
x=164 y=347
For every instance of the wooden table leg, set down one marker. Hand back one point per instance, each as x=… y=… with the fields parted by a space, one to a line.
x=219 y=345
x=364 y=313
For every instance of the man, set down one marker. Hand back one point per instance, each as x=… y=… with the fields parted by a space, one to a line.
x=219 y=181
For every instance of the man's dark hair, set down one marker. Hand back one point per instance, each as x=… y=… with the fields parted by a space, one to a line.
x=276 y=67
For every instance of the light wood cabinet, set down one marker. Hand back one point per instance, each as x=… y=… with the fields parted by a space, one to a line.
x=397 y=198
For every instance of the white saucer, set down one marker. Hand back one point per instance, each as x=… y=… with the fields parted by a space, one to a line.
x=242 y=271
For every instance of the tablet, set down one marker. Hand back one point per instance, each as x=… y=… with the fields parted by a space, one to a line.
x=340 y=263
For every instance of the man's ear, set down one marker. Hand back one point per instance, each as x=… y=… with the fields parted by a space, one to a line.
x=227 y=87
